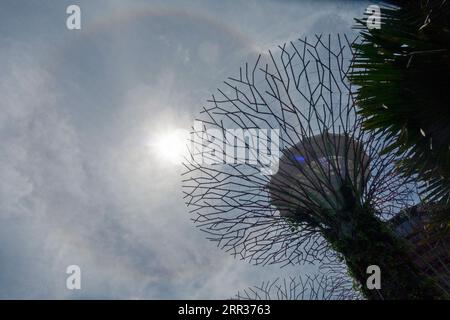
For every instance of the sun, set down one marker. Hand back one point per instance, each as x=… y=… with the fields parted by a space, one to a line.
x=170 y=146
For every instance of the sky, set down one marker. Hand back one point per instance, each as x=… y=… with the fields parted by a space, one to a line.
x=79 y=183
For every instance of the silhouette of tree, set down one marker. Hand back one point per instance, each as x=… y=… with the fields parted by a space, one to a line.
x=327 y=198
x=316 y=287
x=402 y=75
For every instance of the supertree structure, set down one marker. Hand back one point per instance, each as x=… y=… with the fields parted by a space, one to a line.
x=281 y=171
x=315 y=287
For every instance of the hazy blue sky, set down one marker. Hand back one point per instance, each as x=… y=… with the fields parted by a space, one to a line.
x=78 y=108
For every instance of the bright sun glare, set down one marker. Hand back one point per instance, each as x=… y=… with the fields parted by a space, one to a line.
x=170 y=146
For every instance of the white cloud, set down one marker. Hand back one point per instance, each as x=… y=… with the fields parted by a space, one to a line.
x=78 y=185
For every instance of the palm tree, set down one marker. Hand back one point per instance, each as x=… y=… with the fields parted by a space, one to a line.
x=402 y=75
x=332 y=193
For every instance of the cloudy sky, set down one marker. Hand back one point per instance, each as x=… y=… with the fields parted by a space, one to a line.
x=79 y=183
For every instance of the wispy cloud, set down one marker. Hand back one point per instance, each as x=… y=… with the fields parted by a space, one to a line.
x=78 y=184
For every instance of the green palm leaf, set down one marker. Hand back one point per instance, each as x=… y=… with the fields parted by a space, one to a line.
x=402 y=75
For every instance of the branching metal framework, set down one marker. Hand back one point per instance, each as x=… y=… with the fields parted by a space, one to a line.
x=316 y=287
x=303 y=91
